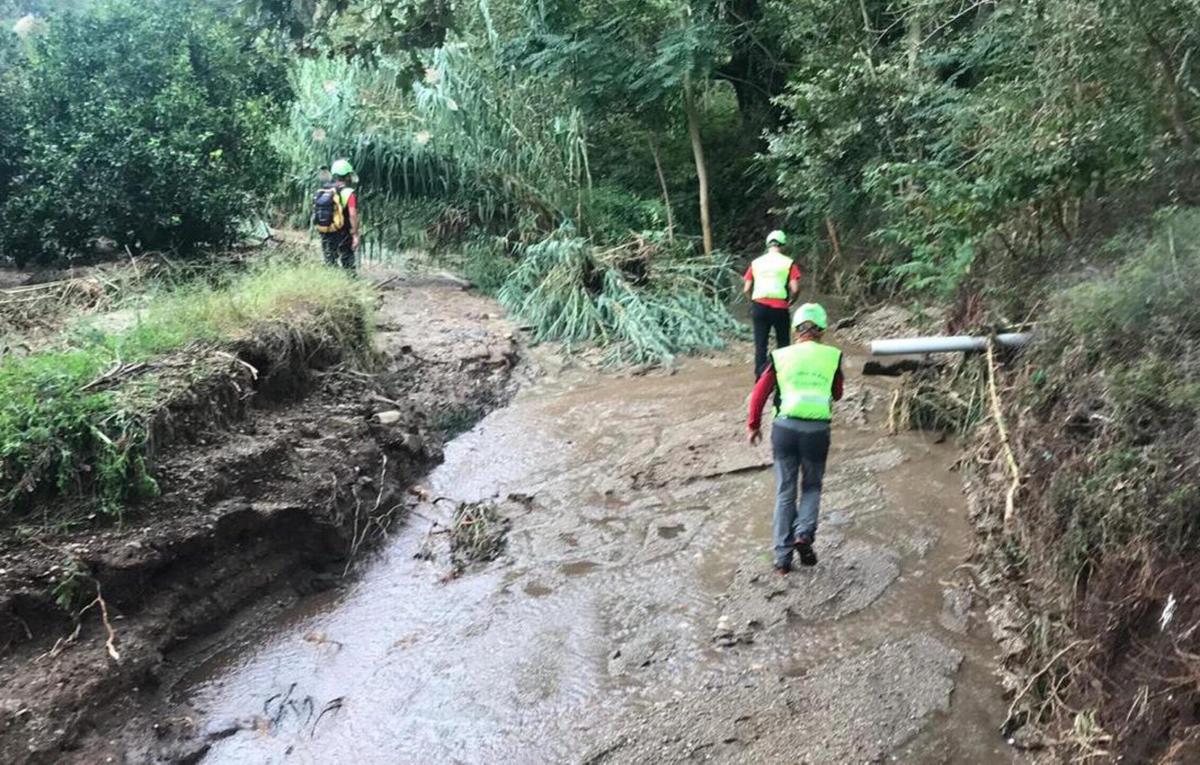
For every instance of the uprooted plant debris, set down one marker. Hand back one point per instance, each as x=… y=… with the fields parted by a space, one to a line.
x=948 y=398
x=477 y=534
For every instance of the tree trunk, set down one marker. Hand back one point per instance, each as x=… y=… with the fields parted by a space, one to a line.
x=835 y=259
x=913 y=36
x=1175 y=109
x=693 y=122
x=755 y=76
x=662 y=182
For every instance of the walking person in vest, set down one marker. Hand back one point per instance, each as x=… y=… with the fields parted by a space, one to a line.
x=772 y=282
x=335 y=214
x=806 y=378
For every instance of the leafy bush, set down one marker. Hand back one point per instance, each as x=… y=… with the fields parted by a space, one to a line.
x=10 y=117
x=486 y=263
x=1119 y=367
x=1148 y=304
x=146 y=123
x=615 y=213
x=945 y=154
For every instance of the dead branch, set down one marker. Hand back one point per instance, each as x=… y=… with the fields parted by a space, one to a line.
x=1037 y=675
x=356 y=539
x=249 y=367
x=117 y=372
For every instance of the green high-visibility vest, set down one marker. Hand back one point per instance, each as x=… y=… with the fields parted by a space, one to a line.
x=804 y=374
x=770 y=273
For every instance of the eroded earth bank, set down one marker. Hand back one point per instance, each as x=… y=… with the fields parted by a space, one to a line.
x=280 y=470
x=631 y=614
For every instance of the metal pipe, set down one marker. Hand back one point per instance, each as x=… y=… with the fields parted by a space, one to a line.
x=957 y=344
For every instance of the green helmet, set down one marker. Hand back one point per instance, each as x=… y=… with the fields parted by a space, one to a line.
x=342 y=167
x=776 y=237
x=813 y=312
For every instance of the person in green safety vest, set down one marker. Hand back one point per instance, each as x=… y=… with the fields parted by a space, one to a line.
x=806 y=378
x=771 y=282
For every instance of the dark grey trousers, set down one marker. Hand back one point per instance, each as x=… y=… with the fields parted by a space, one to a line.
x=800 y=449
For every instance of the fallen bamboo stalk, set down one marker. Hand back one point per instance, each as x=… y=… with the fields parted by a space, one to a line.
x=1010 y=458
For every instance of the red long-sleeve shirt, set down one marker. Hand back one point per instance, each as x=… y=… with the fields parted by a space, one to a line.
x=766 y=386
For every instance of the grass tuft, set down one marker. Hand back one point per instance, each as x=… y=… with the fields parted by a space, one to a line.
x=59 y=431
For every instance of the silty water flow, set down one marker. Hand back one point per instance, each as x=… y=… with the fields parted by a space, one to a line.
x=634 y=612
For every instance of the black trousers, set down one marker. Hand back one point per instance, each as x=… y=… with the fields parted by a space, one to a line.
x=765 y=319
x=339 y=248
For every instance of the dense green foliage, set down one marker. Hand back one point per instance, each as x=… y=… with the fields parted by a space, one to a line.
x=145 y=123
x=592 y=163
x=944 y=139
x=56 y=432
x=927 y=145
x=916 y=146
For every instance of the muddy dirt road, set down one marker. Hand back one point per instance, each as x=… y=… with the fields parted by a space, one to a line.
x=634 y=616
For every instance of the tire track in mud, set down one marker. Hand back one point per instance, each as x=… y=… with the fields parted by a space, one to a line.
x=603 y=632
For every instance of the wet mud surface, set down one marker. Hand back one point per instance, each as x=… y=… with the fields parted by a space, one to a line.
x=631 y=614
x=268 y=496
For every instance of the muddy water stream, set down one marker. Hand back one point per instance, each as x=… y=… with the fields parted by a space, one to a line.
x=634 y=615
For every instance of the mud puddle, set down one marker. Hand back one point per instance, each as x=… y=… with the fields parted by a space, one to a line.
x=633 y=615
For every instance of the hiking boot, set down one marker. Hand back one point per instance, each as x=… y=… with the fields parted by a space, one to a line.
x=783 y=569
x=804 y=549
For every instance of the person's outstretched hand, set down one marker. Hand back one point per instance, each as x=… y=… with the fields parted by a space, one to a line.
x=755 y=436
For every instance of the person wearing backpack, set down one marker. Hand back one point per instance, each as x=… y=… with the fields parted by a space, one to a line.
x=772 y=282
x=335 y=215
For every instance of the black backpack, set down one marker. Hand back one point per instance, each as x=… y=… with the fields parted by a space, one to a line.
x=327 y=210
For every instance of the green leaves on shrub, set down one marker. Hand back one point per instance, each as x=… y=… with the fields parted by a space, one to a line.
x=145 y=123
x=1121 y=360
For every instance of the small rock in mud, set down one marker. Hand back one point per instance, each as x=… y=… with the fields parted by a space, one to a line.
x=956 y=610
x=387 y=418
x=1028 y=738
x=729 y=634
x=413 y=443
